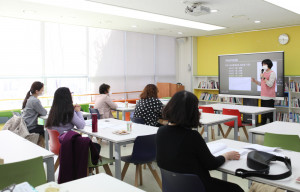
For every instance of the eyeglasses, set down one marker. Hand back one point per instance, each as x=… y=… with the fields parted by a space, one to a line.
x=9 y=188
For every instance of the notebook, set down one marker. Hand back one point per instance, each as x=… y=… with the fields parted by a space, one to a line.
x=220 y=148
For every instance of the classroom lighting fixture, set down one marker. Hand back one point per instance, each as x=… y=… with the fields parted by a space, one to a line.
x=291 y=5
x=179 y=33
x=92 y=6
x=213 y=10
x=257 y=21
x=133 y=26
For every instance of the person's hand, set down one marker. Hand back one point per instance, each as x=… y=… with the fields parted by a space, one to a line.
x=232 y=155
x=77 y=107
x=261 y=75
x=253 y=80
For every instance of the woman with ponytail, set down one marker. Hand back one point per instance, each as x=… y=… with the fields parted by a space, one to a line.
x=32 y=108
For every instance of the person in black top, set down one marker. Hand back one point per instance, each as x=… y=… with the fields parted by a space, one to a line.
x=183 y=150
x=149 y=107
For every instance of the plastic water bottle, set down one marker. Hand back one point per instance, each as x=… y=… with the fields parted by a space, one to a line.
x=291 y=117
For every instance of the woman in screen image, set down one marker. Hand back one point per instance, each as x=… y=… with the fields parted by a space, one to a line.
x=268 y=84
x=181 y=149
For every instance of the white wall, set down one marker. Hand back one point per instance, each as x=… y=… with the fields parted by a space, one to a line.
x=185 y=57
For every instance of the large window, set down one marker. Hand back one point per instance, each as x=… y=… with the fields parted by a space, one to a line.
x=79 y=57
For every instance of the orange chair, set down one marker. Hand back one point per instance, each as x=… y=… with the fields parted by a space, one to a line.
x=54 y=145
x=237 y=113
x=211 y=110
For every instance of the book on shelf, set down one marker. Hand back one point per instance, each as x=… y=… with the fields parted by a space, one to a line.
x=295 y=102
x=286 y=87
x=294 y=86
x=283 y=103
x=209 y=97
x=211 y=84
x=296 y=117
x=280 y=116
x=231 y=100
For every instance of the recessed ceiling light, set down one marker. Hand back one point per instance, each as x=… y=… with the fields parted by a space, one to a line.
x=179 y=33
x=214 y=10
x=93 y=6
x=133 y=26
x=257 y=21
x=291 y=5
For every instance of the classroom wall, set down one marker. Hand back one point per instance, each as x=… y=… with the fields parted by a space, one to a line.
x=255 y=41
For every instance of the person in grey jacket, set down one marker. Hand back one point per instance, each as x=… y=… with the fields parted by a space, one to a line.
x=32 y=108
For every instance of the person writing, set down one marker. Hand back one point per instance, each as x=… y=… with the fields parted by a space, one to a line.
x=268 y=84
x=181 y=149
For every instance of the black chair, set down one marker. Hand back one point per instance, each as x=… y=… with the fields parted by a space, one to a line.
x=178 y=182
x=138 y=120
x=92 y=110
x=144 y=152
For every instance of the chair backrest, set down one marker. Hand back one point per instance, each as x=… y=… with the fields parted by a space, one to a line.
x=178 y=182
x=144 y=148
x=207 y=109
x=54 y=144
x=92 y=110
x=289 y=142
x=138 y=120
x=234 y=112
x=31 y=170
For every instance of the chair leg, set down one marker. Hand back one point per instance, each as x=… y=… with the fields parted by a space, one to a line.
x=227 y=132
x=108 y=171
x=212 y=133
x=136 y=175
x=141 y=176
x=56 y=164
x=155 y=175
x=246 y=133
x=221 y=129
x=97 y=170
x=124 y=170
x=202 y=131
x=144 y=166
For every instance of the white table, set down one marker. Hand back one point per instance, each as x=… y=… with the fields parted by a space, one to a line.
x=15 y=148
x=44 y=118
x=209 y=119
x=121 y=108
x=94 y=183
x=252 y=110
x=277 y=127
x=289 y=183
x=105 y=129
x=164 y=101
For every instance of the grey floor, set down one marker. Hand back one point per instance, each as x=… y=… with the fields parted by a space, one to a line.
x=149 y=183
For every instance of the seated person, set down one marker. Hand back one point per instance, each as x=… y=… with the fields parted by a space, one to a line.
x=183 y=150
x=63 y=115
x=103 y=102
x=32 y=108
x=149 y=107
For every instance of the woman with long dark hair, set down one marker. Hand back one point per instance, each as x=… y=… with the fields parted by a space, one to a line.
x=183 y=150
x=64 y=115
x=149 y=107
x=32 y=108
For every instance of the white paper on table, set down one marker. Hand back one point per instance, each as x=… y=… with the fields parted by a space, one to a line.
x=258 y=147
x=220 y=148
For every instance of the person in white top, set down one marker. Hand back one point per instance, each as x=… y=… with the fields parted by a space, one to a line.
x=268 y=85
x=104 y=103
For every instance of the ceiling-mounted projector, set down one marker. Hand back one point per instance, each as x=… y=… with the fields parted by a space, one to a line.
x=197 y=9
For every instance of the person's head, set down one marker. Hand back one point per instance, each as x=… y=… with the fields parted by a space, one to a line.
x=268 y=63
x=150 y=91
x=36 y=89
x=62 y=109
x=104 y=89
x=182 y=110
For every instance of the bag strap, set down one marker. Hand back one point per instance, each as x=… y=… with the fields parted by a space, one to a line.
x=264 y=173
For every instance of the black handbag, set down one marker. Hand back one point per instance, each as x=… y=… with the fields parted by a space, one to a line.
x=260 y=161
